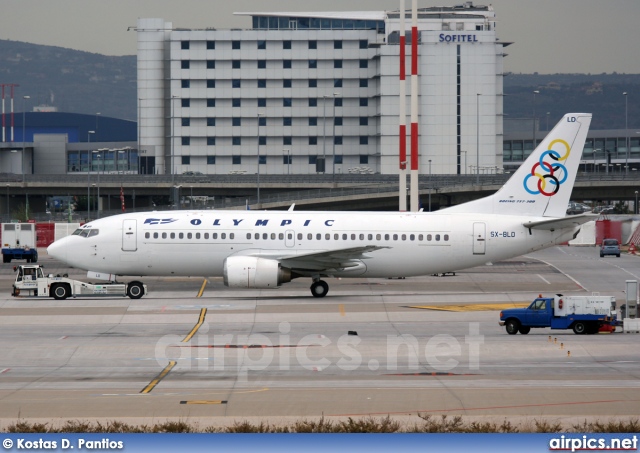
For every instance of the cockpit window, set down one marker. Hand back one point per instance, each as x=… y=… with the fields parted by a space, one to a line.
x=85 y=233
x=94 y=232
x=77 y=232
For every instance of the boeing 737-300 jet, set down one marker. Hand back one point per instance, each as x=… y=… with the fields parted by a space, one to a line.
x=265 y=249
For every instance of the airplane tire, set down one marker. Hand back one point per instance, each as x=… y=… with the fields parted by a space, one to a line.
x=61 y=291
x=135 y=290
x=512 y=326
x=319 y=288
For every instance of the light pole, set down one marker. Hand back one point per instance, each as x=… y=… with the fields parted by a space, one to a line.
x=594 y=159
x=288 y=159
x=464 y=153
x=333 y=172
x=24 y=110
x=89 y=133
x=626 y=132
x=635 y=206
x=478 y=138
x=324 y=134
x=533 y=143
x=9 y=211
x=548 y=113
x=429 y=185
x=258 y=161
x=173 y=146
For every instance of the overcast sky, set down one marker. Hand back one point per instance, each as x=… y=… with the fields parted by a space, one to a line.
x=549 y=36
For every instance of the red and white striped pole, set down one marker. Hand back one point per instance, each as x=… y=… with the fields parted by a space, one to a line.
x=415 y=191
x=403 y=114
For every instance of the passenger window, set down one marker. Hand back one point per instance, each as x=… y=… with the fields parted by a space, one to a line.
x=327 y=236
x=437 y=237
x=344 y=237
x=353 y=237
x=265 y=236
x=428 y=237
x=319 y=236
x=214 y=236
x=181 y=235
x=173 y=235
x=281 y=236
x=197 y=235
x=336 y=237
x=446 y=237
x=206 y=235
x=395 y=237
x=256 y=236
x=188 y=235
x=370 y=237
x=155 y=235
x=223 y=235
x=248 y=235
x=404 y=237
x=378 y=237
x=362 y=237
x=420 y=237
x=299 y=236
x=93 y=233
x=412 y=237
x=146 y=235
x=232 y=236
x=164 y=235
x=309 y=236
x=289 y=236
x=386 y=237
x=273 y=236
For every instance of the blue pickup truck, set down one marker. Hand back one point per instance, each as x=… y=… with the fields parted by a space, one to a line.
x=583 y=314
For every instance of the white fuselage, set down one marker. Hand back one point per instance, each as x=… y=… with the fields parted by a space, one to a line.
x=196 y=243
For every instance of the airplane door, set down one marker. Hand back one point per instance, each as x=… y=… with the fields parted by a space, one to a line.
x=289 y=238
x=129 y=235
x=479 y=238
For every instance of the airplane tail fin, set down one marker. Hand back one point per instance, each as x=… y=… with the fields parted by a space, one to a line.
x=542 y=185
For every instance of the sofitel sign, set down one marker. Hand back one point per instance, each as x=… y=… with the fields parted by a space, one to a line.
x=458 y=38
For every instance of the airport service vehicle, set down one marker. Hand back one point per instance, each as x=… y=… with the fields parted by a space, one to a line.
x=610 y=247
x=19 y=242
x=31 y=281
x=266 y=249
x=583 y=314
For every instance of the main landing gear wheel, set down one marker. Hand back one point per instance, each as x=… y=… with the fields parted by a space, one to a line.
x=319 y=288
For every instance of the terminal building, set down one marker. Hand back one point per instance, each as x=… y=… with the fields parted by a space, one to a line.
x=309 y=93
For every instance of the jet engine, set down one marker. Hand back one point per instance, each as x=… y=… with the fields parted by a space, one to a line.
x=254 y=272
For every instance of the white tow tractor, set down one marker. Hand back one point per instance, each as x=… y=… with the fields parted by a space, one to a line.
x=31 y=281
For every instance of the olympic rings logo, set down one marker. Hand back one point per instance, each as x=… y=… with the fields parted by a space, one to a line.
x=550 y=175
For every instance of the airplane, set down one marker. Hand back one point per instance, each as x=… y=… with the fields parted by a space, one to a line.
x=266 y=249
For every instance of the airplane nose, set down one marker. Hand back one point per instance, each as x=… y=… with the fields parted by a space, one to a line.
x=58 y=250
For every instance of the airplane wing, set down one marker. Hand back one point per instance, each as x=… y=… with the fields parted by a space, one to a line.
x=563 y=222
x=326 y=260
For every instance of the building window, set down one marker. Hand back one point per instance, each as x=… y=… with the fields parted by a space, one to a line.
x=337 y=102
x=286 y=140
x=186 y=160
x=337 y=44
x=286 y=83
x=337 y=121
x=211 y=102
x=211 y=45
x=262 y=140
x=186 y=141
x=262 y=64
x=364 y=121
x=211 y=121
x=236 y=160
x=262 y=102
x=262 y=160
x=185 y=102
x=313 y=160
x=364 y=44
x=286 y=64
x=364 y=159
x=262 y=83
x=235 y=102
x=184 y=64
x=313 y=140
x=287 y=160
x=211 y=83
x=235 y=64
x=337 y=83
x=211 y=160
x=313 y=64
x=235 y=44
x=262 y=121
x=236 y=121
x=286 y=44
x=337 y=141
x=185 y=83
x=313 y=102
x=337 y=64
x=364 y=140
x=184 y=45
x=313 y=121
x=235 y=83
x=186 y=122
x=262 y=44
x=313 y=44
x=364 y=83
x=286 y=121
x=364 y=64
x=286 y=102
x=211 y=141
x=211 y=64
x=313 y=83
x=236 y=141
x=364 y=102
x=338 y=158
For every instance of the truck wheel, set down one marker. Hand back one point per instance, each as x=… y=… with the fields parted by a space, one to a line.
x=512 y=326
x=6 y=259
x=135 y=290
x=34 y=258
x=579 y=328
x=61 y=292
x=524 y=330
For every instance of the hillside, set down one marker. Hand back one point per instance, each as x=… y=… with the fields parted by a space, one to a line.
x=82 y=82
